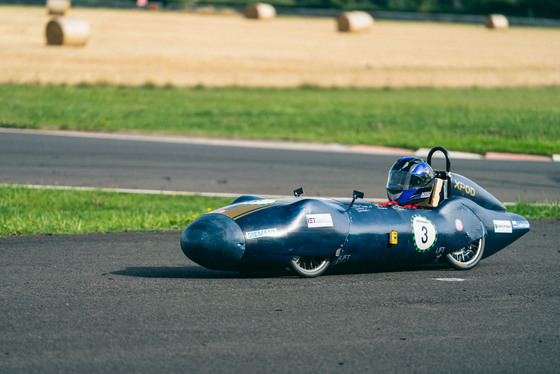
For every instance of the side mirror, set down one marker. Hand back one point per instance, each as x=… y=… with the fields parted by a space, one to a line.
x=356 y=195
x=298 y=192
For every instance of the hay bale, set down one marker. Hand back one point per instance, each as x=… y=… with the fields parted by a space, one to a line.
x=354 y=21
x=259 y=11
x=496 y=21
x=58 y=7
x=67 y=31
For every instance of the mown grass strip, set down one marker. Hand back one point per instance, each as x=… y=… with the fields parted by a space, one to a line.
x=471 y=120
x=536 y=211
x=28 y=211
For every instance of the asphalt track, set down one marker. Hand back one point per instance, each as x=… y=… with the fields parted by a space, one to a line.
x=32 y=158
x=134 y=303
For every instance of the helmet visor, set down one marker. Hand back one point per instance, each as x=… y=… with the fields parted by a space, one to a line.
x=400 y=180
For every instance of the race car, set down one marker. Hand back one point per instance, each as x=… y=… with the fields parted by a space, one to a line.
x=461 y=224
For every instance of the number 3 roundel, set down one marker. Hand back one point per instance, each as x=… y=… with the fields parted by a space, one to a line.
x=425 y=233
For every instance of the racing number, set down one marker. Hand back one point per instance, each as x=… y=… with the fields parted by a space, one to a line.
x=424 y=238
x=425 y=233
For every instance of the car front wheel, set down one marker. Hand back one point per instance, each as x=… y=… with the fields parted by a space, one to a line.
x=310 y=266
x=467 y=257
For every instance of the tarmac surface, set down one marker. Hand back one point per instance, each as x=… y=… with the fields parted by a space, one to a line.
x=134 y=303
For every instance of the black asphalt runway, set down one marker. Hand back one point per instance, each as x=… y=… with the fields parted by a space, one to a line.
x=133 y=303
x=31 y=158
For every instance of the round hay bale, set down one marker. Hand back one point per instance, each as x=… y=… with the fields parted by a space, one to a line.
x=354 y=21
x=67 y=31
x=58 y=7
x=496 y=21
x=259 y=11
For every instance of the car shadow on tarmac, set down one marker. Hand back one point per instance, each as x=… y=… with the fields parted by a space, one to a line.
x=199 y=272
x=190 y=272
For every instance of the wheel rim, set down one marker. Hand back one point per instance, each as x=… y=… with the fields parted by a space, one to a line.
x=310 y=266
x=468 y=255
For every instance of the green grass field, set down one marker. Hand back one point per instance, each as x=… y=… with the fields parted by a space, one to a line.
x=471 y=120
x=28 y=211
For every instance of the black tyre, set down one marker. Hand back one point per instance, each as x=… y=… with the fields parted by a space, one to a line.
x=467 y=257
x=310 y=266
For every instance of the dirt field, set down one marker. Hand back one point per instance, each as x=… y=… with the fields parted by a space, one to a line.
x=138 y=47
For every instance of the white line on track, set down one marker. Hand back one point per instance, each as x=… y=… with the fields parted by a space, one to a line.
x=125 y=190
x=153 y=192
x=450 y=279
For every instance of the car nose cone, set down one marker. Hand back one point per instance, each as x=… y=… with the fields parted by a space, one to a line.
x=214 y=241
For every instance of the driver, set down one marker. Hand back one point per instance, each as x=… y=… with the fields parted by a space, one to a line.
x=409 y=183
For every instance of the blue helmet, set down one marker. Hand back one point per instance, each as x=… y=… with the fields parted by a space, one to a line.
x=410 y=181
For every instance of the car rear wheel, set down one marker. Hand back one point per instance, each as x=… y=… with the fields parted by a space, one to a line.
x=310 y=266
x=467 y=257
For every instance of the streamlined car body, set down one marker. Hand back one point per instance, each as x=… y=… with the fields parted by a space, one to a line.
x=310 y=235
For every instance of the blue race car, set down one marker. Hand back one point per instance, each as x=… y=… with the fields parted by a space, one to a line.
x=460 y=223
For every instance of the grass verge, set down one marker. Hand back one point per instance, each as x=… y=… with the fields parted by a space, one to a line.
x=536 y=211
x=471 y=120
x=28 y=211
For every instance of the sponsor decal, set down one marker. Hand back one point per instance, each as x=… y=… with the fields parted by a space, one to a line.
x=458 y=225
x=319 y=220
x=464 y=188
x=425 y=233
x=503 y=227
x=261 y=233
x=426 y=194
x=521 y=225
x=362 y=208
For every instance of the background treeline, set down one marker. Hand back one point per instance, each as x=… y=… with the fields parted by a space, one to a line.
x=519 y=8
